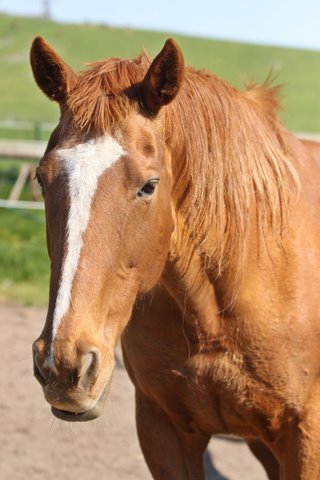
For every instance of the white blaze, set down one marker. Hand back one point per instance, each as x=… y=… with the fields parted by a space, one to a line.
x=83 y=165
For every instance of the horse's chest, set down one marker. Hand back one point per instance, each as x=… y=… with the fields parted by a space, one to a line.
x=224 y=398
x=208 y=392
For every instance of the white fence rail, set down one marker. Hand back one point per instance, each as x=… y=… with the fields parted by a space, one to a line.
x=21 y=204
x=26 y=125
x=308 y=136
x=22 y=149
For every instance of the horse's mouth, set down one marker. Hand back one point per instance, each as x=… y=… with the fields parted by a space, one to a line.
x=87 y=415
x=91 y=414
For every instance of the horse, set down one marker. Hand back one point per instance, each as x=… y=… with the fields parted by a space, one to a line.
x=182 y=218
x=314 y=147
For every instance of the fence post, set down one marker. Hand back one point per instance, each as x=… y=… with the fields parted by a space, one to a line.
x=37 y=130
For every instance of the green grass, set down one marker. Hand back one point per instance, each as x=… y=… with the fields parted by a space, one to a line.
x=298 y=70
x=24 y=264
x=24 y=275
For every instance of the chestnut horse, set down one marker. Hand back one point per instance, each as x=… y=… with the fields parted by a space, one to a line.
x=183 y=218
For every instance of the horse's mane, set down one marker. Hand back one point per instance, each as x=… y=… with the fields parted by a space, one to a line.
x=266 y=95
x=230 y=157
x=233 y=161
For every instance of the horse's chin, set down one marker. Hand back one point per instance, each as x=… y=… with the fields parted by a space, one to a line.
x=87 y=415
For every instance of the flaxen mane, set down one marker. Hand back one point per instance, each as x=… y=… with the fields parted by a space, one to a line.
x=230 y=156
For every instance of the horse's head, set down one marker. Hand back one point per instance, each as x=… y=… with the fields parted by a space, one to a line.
x=107 y=188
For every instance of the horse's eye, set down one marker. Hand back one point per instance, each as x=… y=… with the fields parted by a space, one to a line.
x=39 y=180
x=148 y=188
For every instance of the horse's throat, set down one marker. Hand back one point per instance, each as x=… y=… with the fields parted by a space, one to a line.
x=195 y=296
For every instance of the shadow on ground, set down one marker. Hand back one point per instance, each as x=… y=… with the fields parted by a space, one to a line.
x=210 y=470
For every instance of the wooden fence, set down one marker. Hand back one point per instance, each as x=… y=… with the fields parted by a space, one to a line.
x=22 y=150
x=35 y=130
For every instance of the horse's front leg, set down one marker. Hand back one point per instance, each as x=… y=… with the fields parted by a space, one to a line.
x=298 y=449
x=171 y=454
x=300 y=460
x=266 y=458
x=296 y=457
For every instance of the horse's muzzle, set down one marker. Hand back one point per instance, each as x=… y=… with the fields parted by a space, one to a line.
x=87 y=415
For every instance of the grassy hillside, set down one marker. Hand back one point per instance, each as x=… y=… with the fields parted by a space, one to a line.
x=298 y=70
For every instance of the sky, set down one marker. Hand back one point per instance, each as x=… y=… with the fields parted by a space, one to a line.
x=292 y=23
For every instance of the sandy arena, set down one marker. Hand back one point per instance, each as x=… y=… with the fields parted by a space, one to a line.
x=36 y=446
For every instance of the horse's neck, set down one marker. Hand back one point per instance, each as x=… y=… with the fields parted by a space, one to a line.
x=206 y=296
x=236 y=231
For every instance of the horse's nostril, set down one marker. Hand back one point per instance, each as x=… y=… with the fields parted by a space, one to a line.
x=92 y=360
x=38 y=353
x=90 y=367
x=38 y=373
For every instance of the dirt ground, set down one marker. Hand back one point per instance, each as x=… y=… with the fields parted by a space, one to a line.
x=36 y=446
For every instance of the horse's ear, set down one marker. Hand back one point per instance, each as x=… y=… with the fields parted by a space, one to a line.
x=53 y=76
x=163 y=79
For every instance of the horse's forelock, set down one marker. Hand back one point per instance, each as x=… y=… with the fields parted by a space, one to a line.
x=106 y=92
